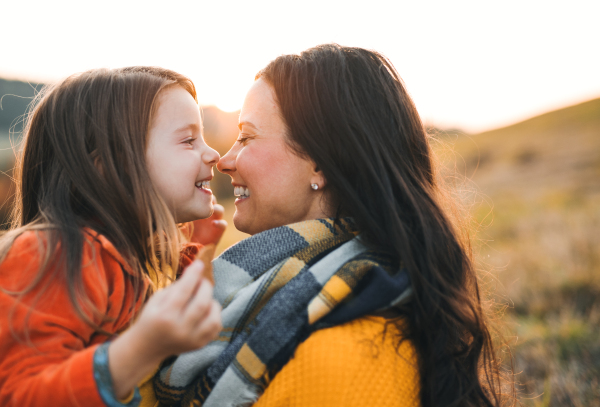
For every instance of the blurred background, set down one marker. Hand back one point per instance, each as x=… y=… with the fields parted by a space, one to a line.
x=509 y=92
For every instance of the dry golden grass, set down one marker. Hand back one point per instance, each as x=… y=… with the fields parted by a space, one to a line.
x=534 y=190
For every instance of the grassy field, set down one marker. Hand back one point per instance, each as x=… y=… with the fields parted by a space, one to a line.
x=533 y=190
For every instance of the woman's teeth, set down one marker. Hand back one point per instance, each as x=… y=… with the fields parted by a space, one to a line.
x=242 y=192
x=203 y=184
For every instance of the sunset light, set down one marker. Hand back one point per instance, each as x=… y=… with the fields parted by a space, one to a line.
x=467 y=64
x=406 y=211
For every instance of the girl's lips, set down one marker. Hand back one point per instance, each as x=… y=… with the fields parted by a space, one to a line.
x=204 y=190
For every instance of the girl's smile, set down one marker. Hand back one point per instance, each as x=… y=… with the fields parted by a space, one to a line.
x=204 y=186
x=179 y=161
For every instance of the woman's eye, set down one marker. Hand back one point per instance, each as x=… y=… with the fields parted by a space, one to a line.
x=243 y=138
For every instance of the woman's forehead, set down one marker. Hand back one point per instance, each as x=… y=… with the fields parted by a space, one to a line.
x=260 y=111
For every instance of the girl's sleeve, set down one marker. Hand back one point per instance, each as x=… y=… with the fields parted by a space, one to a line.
x=46 y=349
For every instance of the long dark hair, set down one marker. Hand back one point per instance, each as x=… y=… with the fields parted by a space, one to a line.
x=83 y=165
x=348 y=110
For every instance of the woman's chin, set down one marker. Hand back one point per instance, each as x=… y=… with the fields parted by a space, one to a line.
x=240 y=223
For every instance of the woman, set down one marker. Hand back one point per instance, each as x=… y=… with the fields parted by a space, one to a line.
x=355 y=288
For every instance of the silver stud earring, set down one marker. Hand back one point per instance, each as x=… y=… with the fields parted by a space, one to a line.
x=314 y=186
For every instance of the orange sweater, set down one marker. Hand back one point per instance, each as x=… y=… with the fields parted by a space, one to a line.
x=352 y=364
x=58 y=369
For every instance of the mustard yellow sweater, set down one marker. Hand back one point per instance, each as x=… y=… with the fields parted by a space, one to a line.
x=352 y=364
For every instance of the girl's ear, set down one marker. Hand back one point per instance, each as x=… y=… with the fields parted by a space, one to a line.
x=97 y=162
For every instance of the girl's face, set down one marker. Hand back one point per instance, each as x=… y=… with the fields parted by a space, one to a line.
x=179 y=161
x=273 y=184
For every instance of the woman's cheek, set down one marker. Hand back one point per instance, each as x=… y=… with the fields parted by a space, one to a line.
x=255 y=164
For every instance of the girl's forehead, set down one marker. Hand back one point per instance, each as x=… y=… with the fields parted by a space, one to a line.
x=177 y=109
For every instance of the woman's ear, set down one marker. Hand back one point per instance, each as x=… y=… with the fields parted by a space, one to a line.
x=317 y=178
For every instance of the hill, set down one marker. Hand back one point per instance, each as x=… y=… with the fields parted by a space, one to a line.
x=534 y=190
x=15 y=96
x=559 y=149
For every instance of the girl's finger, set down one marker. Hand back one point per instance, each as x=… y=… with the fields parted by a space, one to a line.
x=220 y=224
x=218 y=212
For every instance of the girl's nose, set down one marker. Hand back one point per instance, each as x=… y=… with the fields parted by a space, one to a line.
x=210 y=156
x=226 y=164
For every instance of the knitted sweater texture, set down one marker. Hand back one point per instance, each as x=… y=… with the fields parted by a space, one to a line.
x=354 y=364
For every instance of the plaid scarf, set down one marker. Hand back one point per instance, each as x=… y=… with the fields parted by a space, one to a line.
x=276 y=288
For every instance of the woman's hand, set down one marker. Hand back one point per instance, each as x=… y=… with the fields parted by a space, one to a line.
x=179 y=318
x=209 y=230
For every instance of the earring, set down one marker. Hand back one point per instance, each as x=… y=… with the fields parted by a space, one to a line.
x=314 y=186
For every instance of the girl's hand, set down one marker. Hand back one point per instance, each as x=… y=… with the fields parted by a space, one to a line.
x=179 y=318
x=209 y=230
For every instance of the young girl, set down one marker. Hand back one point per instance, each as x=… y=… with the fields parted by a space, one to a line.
x=112 y=161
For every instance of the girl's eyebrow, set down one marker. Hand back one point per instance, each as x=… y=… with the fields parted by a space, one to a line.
x=248 y=124
x=192 y=126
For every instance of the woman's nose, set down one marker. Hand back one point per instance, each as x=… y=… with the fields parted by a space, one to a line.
x=226 y=164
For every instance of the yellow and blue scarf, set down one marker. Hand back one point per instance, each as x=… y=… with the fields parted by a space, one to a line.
x=276 y=288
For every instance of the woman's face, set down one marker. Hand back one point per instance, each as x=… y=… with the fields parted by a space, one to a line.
x=272 y=183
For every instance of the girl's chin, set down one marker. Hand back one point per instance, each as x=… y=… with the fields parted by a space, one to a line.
x=197 y=214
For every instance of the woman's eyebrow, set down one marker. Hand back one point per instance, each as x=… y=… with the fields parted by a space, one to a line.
x=247 y=124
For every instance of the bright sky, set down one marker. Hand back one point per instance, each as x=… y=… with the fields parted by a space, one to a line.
x=474 y=64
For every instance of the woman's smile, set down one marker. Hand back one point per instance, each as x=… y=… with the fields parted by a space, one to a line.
x=241 y=193
x=272 y=183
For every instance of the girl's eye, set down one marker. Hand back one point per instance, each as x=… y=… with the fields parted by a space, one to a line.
x=189 y=141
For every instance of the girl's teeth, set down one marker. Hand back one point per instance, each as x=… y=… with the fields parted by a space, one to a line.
x=203 y=184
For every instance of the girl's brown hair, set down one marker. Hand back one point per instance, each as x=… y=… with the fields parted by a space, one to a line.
x=83 y=165
x=349 y=112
